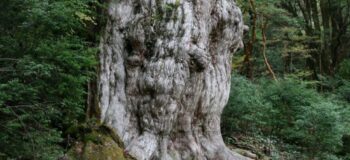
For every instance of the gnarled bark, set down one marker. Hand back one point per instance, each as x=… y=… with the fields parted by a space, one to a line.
x=164 y=79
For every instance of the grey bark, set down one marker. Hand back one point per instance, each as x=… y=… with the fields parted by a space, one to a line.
x=164 y=79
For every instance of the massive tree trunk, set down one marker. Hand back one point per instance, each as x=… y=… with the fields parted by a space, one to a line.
x=164 y=79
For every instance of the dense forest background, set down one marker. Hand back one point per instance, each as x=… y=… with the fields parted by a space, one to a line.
x=291 y=91
x=290 y=95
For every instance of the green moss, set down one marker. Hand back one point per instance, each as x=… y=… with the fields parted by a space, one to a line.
x=93 y=137
x=108 y=131
x=100 y=144
x=107 y=150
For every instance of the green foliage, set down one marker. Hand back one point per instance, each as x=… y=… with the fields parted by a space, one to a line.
x=309 y=108
x=288 y=110
x=246 y=109
x=344 y=92
x=320 y=125
x=344 y=70
x=46 y=59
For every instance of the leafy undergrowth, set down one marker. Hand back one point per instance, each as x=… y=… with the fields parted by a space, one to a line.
x=288 y=119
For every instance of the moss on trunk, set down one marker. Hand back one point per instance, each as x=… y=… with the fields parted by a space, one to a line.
x=99 y=144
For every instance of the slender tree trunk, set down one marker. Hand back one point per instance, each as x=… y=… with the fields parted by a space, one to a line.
x=248 y=69
x=165 y=68
x=266 y=61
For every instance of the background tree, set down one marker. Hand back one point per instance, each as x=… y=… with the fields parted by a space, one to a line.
x=46 y=58
x=307 y=107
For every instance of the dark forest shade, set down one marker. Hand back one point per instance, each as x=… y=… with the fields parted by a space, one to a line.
x=46 y=60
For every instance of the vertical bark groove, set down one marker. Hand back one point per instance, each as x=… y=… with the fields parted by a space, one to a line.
x=165 y=76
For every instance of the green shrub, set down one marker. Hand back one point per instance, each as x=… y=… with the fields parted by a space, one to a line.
x=343 y=92
x=344 y=69
x=304 y=117
x=289 y=110
x=287 y=98
x=246 y=110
